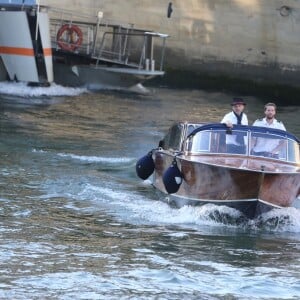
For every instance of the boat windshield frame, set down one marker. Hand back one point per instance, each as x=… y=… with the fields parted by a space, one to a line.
x=254 y=141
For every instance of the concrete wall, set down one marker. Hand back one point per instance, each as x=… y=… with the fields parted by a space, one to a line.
x=256 y=39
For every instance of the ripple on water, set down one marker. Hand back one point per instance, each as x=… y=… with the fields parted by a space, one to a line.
x=76 y=222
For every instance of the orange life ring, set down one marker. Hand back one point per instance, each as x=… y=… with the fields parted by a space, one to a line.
x=69 y=37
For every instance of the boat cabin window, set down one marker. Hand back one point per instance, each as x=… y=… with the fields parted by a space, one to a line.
x=245 y=142
x=172 y=140
x=293 y=153
x=208 y=141
x=192 y=127
x=274 y=146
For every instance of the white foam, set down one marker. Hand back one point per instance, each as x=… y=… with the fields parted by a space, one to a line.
x=21 y=89
x=137 y=208
x=91 y=159
x=280 y=220
x=101 y=159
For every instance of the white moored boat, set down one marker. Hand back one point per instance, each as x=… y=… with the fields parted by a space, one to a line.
x=40 y=45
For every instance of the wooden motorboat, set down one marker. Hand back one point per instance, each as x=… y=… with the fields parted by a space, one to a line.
x=194 y=165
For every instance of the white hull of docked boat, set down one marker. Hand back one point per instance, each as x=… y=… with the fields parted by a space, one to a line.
x=25 y=45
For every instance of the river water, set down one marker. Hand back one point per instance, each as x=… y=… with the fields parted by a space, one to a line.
x=77 y=223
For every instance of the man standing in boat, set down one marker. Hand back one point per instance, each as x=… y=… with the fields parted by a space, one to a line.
x=269 y=119
x=234 y=142
x=270 y=148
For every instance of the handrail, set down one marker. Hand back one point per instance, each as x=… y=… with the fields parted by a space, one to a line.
x=115 y=44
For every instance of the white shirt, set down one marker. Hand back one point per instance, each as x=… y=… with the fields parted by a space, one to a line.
x=267 y=145
x=263 y=123
x=231 y=117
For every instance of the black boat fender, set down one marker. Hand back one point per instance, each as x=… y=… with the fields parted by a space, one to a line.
x=172 y=178
x=145 y=166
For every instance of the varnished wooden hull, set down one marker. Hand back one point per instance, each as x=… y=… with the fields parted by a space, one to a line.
x=248 y=188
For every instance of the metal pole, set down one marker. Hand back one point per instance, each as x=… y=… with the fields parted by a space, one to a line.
x=37 y=20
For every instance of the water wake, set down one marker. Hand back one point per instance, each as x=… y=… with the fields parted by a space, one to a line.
x=140 y=204
x=138 y=208
x=280 y=220
x=106 y=162
x=99 y=159
x=21 y=89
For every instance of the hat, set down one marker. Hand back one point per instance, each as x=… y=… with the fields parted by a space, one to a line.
x=237 y=101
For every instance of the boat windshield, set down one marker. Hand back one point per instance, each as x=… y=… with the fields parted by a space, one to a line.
x=173 y=138
x=244 y=142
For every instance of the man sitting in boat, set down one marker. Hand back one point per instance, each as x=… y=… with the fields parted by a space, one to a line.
x=236 y=143
x=268 y=147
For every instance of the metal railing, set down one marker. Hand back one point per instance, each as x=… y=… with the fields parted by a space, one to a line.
x=109 y=42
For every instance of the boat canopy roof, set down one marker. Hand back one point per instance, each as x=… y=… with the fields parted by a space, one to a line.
x=256 y=129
